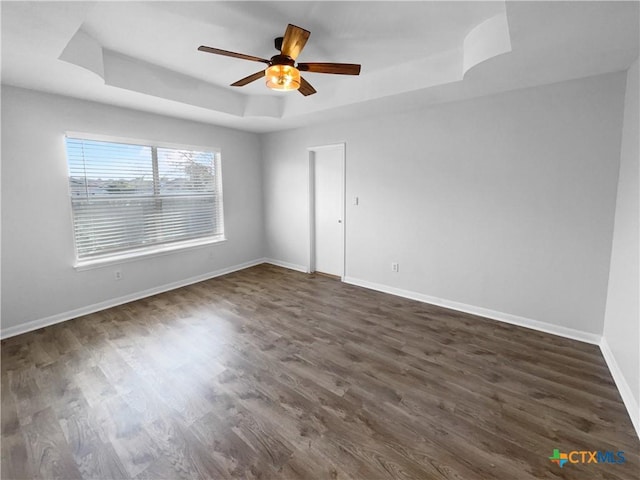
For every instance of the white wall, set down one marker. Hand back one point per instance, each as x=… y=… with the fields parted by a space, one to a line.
x=38 y=279
x=621 y=342
x=504 y=203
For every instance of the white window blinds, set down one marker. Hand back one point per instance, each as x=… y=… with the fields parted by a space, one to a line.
x=128 y=197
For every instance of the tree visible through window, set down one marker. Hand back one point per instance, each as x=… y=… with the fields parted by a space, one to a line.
x=128 y=197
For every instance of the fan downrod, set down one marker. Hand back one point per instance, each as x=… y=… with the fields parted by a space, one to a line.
x=277 y=42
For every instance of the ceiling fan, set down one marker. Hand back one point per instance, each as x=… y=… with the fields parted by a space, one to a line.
x=282 y=72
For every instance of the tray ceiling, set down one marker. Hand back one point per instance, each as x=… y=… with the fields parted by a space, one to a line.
x=143 y=55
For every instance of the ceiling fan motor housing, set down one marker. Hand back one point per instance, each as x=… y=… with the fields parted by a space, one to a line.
x=282 y=60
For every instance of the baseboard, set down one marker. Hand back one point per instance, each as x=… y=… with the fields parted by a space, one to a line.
x=62 y=317
x=482 y=312
x=626 y=393
x=290 y=266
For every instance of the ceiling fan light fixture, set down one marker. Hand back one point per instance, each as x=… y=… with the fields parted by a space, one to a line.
x=283 y=77
x=282 y=73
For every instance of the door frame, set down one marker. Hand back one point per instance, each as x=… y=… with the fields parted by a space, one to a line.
x=311 y=267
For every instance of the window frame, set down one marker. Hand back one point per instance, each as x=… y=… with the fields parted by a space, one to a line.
x=137 y=253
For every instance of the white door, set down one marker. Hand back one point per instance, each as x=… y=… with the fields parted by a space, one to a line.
x=329 y=210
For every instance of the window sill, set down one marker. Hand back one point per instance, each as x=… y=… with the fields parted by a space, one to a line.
x=144 y=253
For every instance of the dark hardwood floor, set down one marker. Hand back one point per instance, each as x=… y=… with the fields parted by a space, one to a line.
x=269 y=373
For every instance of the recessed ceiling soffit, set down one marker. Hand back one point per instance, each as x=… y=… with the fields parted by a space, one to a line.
x=486 y=40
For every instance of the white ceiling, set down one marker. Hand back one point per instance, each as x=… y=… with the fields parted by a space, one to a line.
x=143 y=54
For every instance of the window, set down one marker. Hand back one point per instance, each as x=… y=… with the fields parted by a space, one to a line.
x=136 y=199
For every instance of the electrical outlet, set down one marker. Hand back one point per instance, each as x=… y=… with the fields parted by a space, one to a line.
x=395 y=267
x=118 y=274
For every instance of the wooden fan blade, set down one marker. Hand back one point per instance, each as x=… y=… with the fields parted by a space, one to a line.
x=246 y=80
x=305 y=88
x=335 y=68
x=294 y=41
x=227 y=53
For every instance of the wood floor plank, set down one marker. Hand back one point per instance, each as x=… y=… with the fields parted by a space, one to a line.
x=227 y=447
x=16 y=464
x=9 y=414
x=181 y=454
x=120 y=426
x=101 y=462
x=94 y=385
x=27 y=397
x=48 y=452
x=272 y=374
